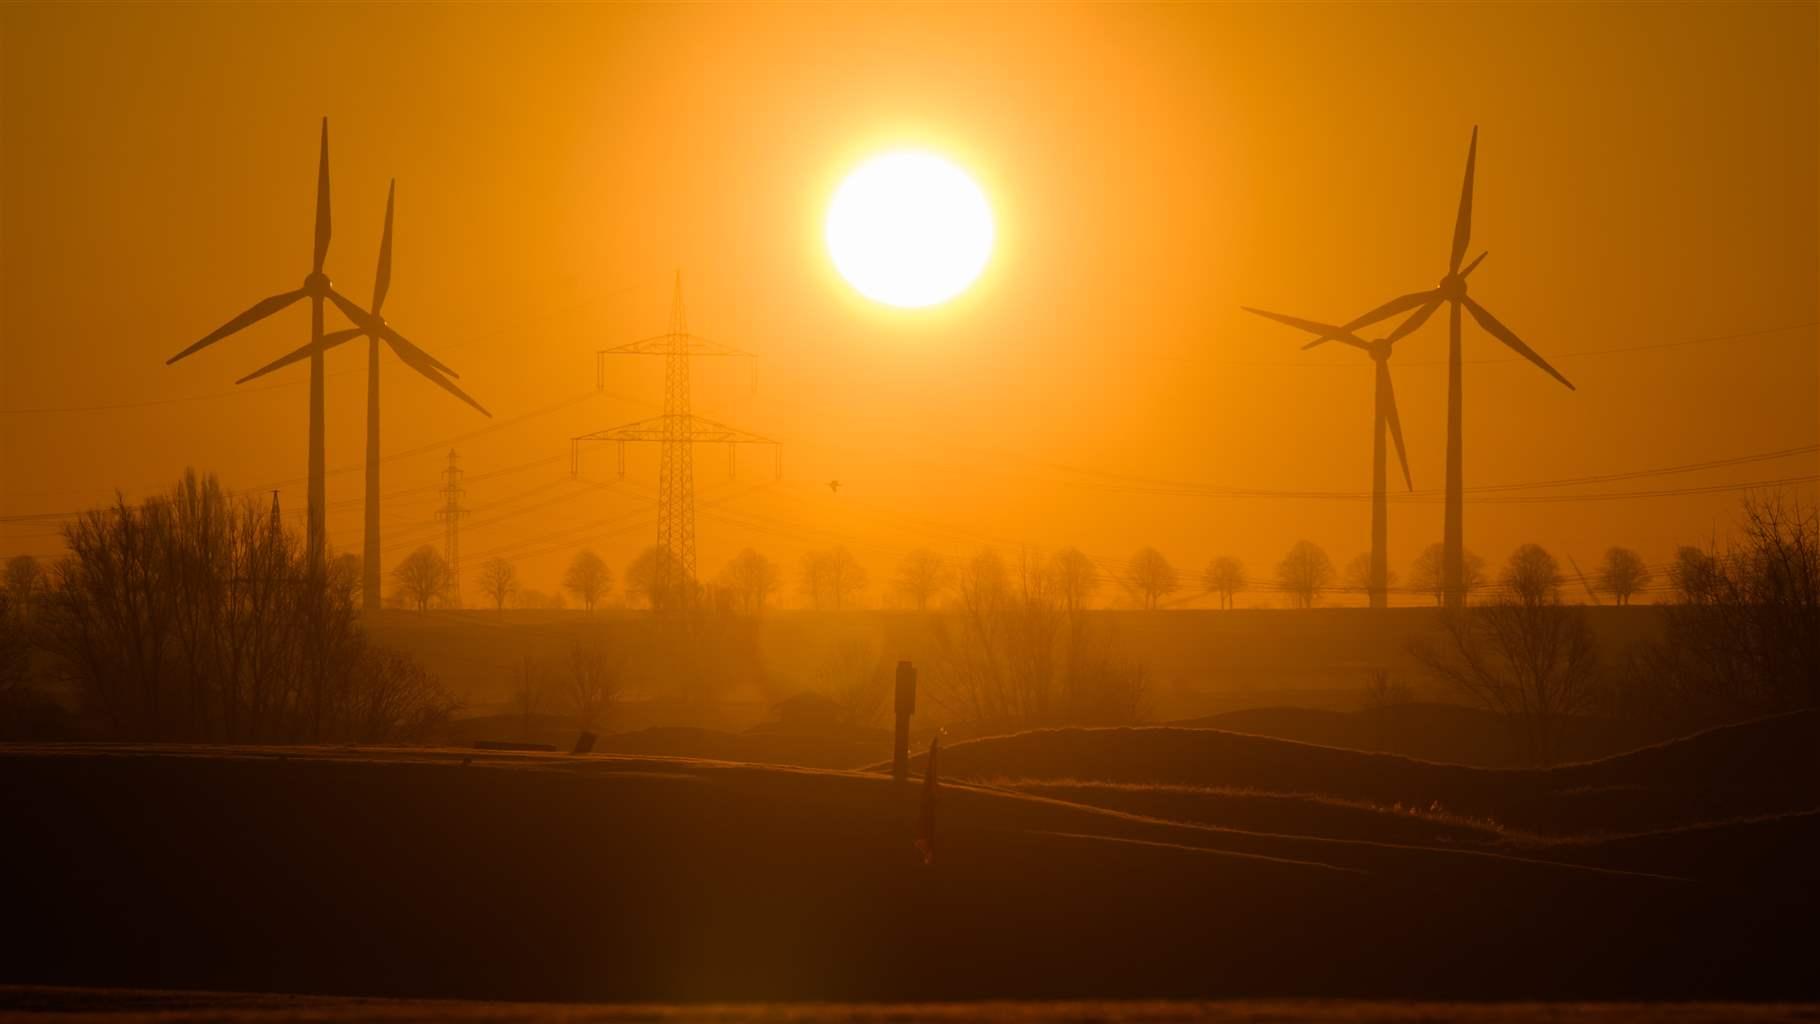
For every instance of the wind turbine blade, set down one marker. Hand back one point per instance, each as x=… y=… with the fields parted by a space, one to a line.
x=322 y=200
x=260 y=310
x=1389 y=309
x=1504 y=334
x=1462 y=225
x=1476 y=261
x=1416 y=319
x=329 y=341
x=1347 y=340
x=1324 y=331
x=414 y=356
x=382 y=281
x=401 y=345
x=349 y=308
x=1396 y=424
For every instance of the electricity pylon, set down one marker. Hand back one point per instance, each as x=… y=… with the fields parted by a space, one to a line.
x=450 y=513
x=678 y=430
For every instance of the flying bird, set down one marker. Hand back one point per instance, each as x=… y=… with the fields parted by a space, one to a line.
x=834 y=485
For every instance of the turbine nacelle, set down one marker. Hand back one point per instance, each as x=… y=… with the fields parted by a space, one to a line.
x=1452 y=287
x=317 y=284
x=1379 y=348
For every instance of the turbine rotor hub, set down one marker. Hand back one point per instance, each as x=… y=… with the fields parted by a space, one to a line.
x=316 y=284
x=1453 y=287
x=1380 y=349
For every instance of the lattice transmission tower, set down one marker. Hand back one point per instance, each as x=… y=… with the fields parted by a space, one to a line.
x=678 y=430
x=450 y=513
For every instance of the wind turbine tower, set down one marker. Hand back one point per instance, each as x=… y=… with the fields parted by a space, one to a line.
x=373 y=326
x=678 y=430
x=450 y=513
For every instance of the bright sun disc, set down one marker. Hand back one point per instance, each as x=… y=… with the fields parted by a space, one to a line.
x=909 y=229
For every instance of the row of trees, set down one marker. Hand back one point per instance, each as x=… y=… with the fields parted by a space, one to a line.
x=833 y=579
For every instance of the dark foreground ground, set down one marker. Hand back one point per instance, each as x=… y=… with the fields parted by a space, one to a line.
x=445 y=874
x=74 y=1006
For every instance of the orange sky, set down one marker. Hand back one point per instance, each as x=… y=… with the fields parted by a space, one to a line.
x=1647 y=177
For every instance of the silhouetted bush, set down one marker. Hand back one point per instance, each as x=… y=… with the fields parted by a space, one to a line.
x=193 y=617
x=26 y=713
x=1017 y=653
x=1524 y=655
x=1743 y=640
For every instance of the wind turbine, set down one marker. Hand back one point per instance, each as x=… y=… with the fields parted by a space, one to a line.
x=373 y=327
x=1384 y=415
x=1452 y=290
x=316 y=288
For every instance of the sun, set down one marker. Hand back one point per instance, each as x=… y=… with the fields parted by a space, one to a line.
x=909 y=229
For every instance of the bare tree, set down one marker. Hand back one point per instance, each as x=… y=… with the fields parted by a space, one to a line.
x=499 y=581
x=1426 y=575
x=858 y=679
x=751 y=578
x=423 y=577
x=529 y=691
x=921 y=576
x=189 y=617
x=1014 y=655
x=831 y=579
x=1695 y=575
x=1358 y=574
x=1623 y=573
x=594 y=682
x=1076 y=578
x=1304 y=572
x=1532 y=575
x=1745 y=640
x=1150 y=577
x=1533 y=661
x=1225 y=576
x=588 y=578
x=24 y=579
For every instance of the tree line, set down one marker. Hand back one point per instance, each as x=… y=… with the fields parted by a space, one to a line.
x=833 y=579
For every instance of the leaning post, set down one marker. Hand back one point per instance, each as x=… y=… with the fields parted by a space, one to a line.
x=906 y=706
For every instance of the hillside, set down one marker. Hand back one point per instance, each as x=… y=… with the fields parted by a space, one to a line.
x=1770 y=766
x=446 y=873
x=1449 y=733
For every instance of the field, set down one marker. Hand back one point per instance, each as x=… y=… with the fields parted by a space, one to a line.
x=1069 y=864
x=1299 y=675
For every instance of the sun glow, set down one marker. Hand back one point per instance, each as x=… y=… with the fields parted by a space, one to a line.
x=909 y=229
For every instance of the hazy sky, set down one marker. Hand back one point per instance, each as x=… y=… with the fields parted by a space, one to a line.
x=1648 y=180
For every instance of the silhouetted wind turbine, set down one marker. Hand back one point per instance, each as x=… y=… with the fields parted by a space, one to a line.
x=316 y=288
x=1384 y=415
x=1452 y=290
x=374 y=328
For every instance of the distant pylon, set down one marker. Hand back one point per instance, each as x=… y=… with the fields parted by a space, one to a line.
x=678 y=430
x=277 y=522
x=676 y=479
x=450 y=513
